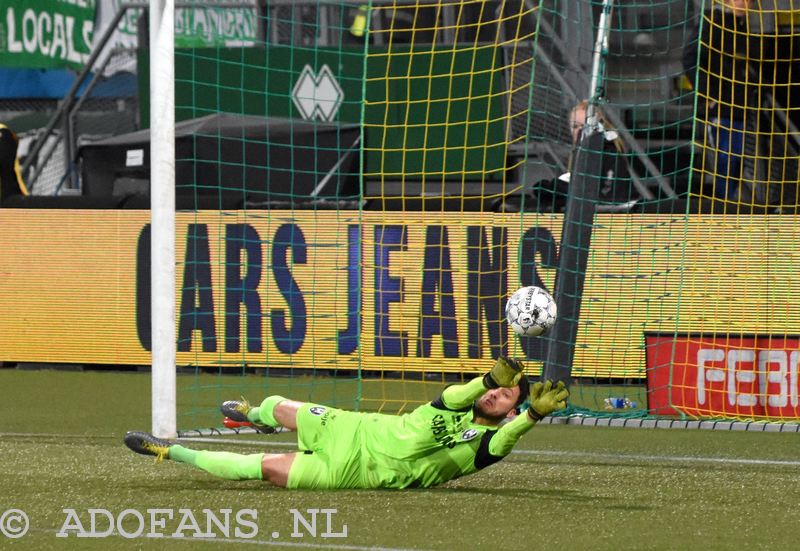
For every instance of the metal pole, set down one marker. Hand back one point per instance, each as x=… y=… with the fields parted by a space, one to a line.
x=576 y=232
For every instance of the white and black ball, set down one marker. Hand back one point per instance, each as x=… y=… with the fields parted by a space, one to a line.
x=531 y=311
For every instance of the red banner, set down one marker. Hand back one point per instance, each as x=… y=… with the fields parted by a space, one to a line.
x=723 y=376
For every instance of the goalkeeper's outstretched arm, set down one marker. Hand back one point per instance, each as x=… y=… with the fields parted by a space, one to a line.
x=505 y=373
x=545 y=399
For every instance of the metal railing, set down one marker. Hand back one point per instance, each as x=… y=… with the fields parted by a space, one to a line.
x=61 y=116
x=59 y=134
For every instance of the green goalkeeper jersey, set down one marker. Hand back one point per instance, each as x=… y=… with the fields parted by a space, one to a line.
x=431 y=445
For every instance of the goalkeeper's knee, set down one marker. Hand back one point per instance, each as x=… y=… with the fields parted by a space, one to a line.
x=265 y=413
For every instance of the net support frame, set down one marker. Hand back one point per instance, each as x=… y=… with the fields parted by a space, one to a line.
x=579 y=214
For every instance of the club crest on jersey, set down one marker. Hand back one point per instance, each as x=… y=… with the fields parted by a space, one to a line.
x=468 y=434
x=317 y=410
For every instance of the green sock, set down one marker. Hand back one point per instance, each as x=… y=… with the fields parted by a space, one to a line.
x=182 y=455
x=231 y=466
x=263 y=414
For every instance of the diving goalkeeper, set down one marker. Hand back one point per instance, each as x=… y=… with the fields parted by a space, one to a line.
x=457 y=434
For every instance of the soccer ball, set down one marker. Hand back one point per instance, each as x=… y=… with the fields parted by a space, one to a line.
x=531 y=311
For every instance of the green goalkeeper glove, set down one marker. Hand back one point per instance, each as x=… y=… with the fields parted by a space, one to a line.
x=506 y=373
x=546 y=398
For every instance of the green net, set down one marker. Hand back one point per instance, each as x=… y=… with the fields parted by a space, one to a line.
x=682 y=310
x=360 y=193
x=268 y=196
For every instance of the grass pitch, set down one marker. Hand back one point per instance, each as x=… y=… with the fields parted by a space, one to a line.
x=563 y=488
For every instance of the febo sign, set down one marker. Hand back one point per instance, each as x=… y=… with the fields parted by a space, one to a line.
x=723 y=375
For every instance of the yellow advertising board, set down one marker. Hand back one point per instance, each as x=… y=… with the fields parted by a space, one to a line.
x=386 y=291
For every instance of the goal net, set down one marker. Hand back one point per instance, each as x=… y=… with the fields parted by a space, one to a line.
x=359 y=195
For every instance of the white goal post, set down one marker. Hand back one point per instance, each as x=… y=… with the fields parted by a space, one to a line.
x=162 y=217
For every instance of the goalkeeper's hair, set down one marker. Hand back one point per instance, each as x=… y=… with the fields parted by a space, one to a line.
x=524 y=392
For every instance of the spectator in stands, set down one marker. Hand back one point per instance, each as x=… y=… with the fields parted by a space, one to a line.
x=717 y=65
x=617 y=190
x=11 y=182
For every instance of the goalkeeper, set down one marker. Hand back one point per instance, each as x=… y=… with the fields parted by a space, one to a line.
x=457 y=434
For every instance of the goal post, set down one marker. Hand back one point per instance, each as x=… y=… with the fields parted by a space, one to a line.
x=162 y=217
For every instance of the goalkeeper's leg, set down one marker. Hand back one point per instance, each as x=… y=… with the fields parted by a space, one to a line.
x=311 y=471
x=271 y=467
x=274 y=411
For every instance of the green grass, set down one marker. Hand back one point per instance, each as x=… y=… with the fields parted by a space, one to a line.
x=567 y=488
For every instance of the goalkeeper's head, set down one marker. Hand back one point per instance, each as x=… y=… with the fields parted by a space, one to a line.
x=501 y=403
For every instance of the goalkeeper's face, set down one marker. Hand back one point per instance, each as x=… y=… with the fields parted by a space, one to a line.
x=495 y=405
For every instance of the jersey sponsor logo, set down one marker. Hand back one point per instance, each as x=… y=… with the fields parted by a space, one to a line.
x=440 y=432
x=468 y=434
x=317 y=410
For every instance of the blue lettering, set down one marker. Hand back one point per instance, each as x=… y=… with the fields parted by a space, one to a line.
x=143 y=327
x=437 y=282
x=289 y=340
x=197 y=299
x=487 y=290
x=388 y=290
x=242 y=290
x=348 y=338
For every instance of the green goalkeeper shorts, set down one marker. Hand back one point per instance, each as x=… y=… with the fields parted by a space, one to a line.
x=330 y=445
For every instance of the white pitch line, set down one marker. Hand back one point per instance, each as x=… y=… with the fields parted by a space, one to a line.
x=50 y=435
x=662 y=458
x=214 y=440
x=552 y=453
x=555 y=453
x=277 y=543
x=325 y=545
